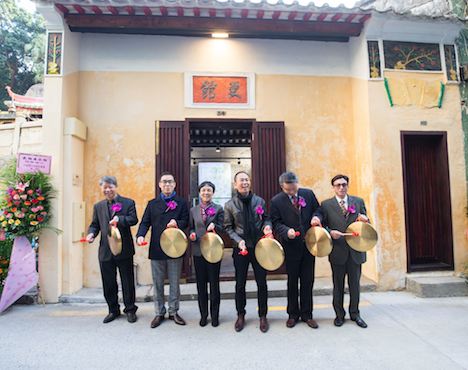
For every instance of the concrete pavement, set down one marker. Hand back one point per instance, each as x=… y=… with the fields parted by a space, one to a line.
x=405 y=332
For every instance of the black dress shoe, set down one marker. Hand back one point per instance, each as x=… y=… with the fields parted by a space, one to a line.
x=264 y=326
x=360 y=322
x=338 y=321
x=240 y=322
x=157 y=321
x=203 y=321
x=177 y=319
x=111 y=317
x=291 y=323
x=214 y=321
x=131 y=317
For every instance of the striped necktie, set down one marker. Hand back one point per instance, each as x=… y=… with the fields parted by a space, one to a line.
x=342 y=206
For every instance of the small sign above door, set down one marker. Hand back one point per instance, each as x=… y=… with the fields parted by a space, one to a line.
x=217 y=90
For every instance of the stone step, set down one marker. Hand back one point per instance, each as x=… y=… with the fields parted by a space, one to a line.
x=276 y=288
x=437 y=286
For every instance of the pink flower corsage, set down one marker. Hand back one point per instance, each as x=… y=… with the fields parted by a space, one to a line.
x=301 y=202
x=171 y=205
x=116 y=207
x=210 y=211
x=259 y=211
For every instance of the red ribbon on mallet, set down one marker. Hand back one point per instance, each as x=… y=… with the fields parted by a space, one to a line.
x=83 y=240
x=142 y=244
x=297 y=233
x=244 y=252
x=355 y=233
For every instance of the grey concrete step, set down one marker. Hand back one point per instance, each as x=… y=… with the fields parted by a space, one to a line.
x=276 y=288
x=437 y=286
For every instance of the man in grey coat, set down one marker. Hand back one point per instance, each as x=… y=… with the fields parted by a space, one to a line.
x=337 y=214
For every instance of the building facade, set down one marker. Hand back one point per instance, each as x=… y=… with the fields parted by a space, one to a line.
x=134 y=88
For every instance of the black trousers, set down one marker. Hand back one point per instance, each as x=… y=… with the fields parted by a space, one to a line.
x=109 y=284
x=300 y=270
x=353 y=270
x=207 y=272
x=241 y=264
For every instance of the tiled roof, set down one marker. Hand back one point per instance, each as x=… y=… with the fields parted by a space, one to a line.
x=419 y=8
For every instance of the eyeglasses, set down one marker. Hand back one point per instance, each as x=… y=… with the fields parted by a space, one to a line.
x=166 y=182
x=341 y=185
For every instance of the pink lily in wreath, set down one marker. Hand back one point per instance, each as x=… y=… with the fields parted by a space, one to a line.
x=259 y=211
x=171 y=205
x=21 y=186
x=210 y=211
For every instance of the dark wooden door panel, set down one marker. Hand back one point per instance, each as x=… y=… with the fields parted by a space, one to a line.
x=268 y=158
x=427 y=201
x=172 y=155
x=268 y=161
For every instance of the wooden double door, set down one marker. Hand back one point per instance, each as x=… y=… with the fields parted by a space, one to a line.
x=268 y=157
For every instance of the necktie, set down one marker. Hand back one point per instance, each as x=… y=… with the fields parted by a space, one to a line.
x=343 y=208
x=295 y=201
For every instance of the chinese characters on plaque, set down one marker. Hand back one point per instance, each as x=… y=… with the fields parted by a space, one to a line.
x=219 y=91
x=30 y=163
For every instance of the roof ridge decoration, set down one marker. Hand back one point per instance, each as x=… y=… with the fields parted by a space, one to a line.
x=418 y=8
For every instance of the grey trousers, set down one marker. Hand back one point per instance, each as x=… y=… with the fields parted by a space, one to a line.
x=173 y=267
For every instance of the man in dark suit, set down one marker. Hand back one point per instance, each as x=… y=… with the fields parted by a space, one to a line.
x=291 y=214
x=246 y=221
x=120 y=212
x=337 y=214
x=166 y=210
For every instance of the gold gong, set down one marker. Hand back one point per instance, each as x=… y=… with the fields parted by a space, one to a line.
x=318 y=241
x=365 y=237
x=212 y=247
x=115 y=240
x=269 y=254
x=173 y=242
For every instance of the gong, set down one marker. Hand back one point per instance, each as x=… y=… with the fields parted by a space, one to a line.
x=173 y=242
x=269 y=254
x=318 y=241
x=212 y=247
x=361 y=236
x=115 y=240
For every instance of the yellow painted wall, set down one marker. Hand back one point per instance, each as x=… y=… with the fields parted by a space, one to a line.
x=333 y=124
x=120 y=110
x=387 y=191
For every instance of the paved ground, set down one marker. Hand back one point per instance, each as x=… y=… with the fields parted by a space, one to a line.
x=404 y=332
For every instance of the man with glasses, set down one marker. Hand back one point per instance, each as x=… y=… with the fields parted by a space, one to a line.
x=337 y=214
x=291 y=214
x=166 y=210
